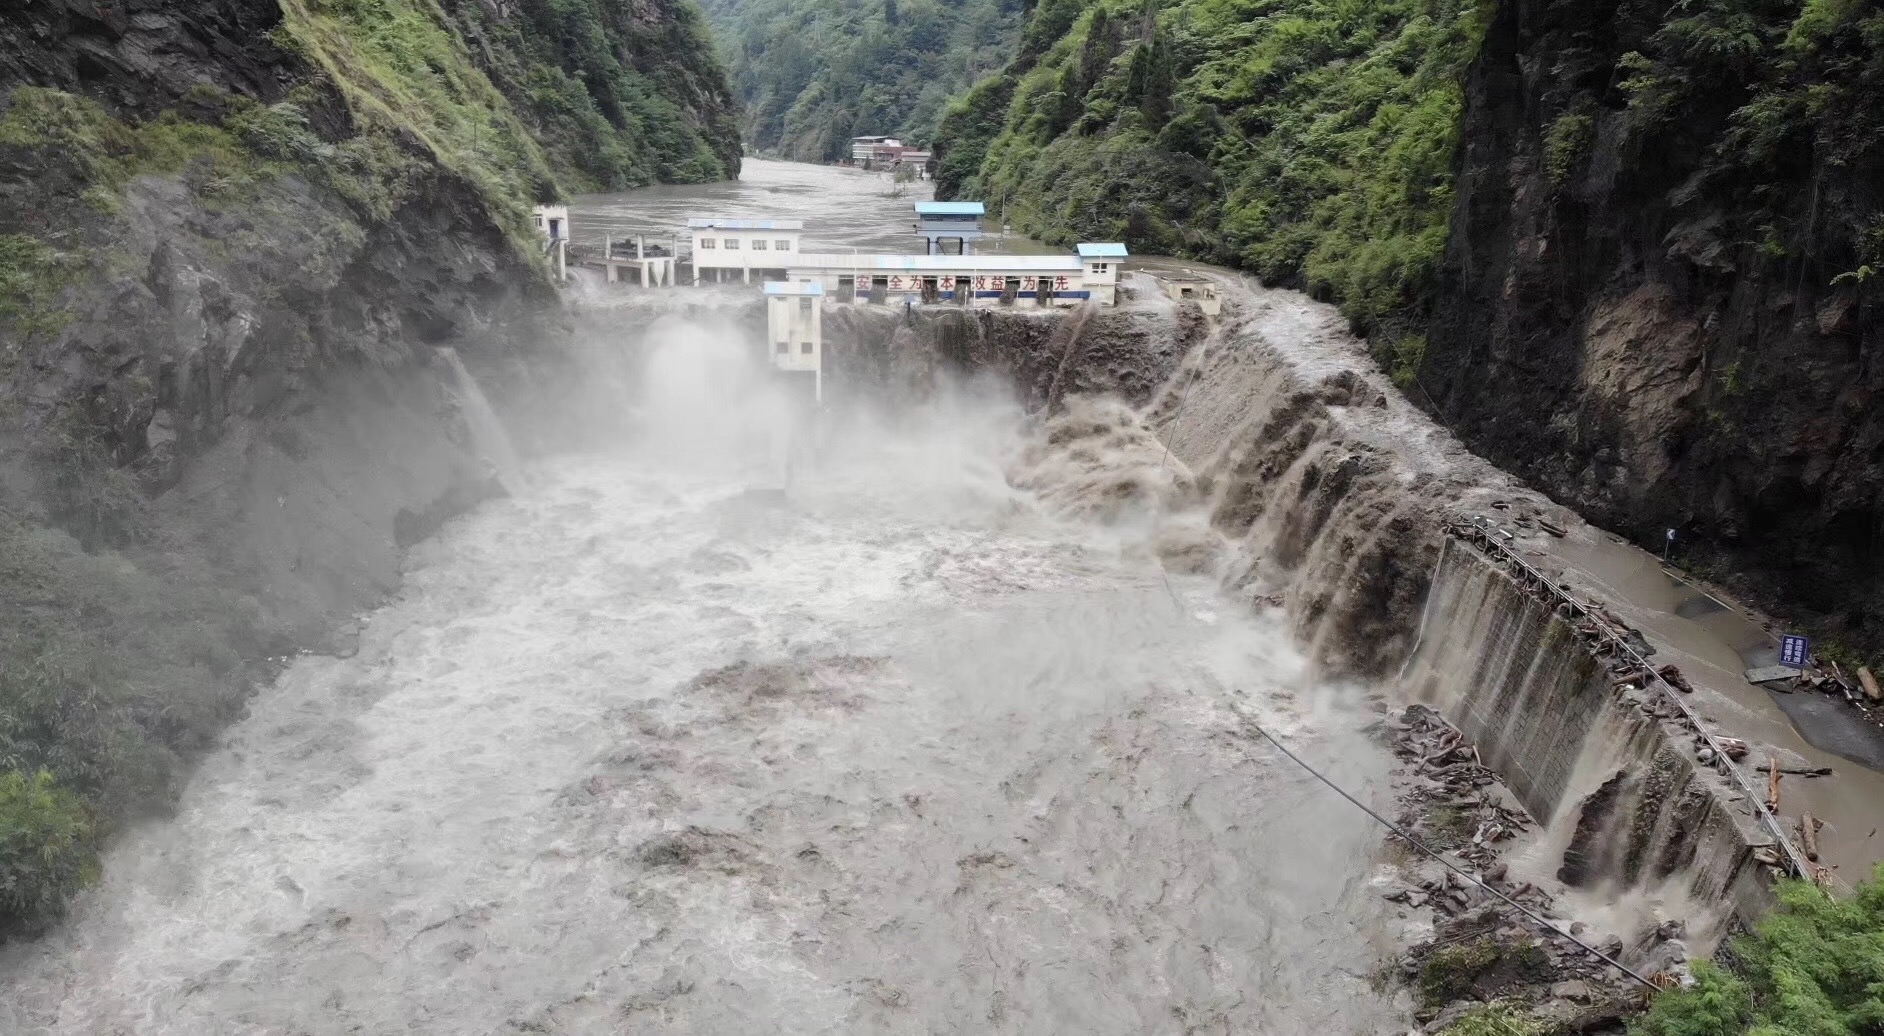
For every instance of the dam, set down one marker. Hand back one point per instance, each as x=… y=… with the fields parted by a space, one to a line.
x=954 y=735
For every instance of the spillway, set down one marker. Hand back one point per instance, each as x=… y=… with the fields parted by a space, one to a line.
x=949 y=731
x=931 y=741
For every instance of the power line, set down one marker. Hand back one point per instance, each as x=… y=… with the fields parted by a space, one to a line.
x=1177 y=421
x=1448 y=864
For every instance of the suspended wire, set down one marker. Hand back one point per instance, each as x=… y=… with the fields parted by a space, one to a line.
x=1403 y=834
x=1177 y=423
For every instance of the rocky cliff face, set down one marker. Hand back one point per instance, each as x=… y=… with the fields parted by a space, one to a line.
x=233 y=234
x=1659 y=299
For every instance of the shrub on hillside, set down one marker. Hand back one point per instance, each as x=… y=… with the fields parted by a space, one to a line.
x=1814 y=967
x=114 y=667
x=48 y=849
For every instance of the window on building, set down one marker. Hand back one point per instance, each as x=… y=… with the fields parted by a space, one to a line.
x=804 y=305
x=758 y=244
x=783 y=348
x=803 y=347
x=707 y=242
x=782 y=244
x=1099 y=267
x=732 y=242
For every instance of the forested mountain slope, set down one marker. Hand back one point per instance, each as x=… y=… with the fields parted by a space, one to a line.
x=230 y=231
x=814 y=73
x=1309 y=140
x=1628 y=248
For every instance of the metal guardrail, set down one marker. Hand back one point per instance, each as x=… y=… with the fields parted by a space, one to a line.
x=1485 y=535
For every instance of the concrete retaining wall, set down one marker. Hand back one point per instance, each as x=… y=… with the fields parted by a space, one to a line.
x=1608 y=772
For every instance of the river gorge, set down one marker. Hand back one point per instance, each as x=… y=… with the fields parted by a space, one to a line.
x=950 y=729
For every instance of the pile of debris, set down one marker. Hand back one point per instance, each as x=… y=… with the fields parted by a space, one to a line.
x=1483 y=948
x=1487 y=956
x=1530 y=517
x=1453 y=802
x=1860 y=689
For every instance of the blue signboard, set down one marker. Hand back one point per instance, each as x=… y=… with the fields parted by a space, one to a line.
x=1794 y=650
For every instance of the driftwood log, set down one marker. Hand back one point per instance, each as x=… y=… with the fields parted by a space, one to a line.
x=1809 y=836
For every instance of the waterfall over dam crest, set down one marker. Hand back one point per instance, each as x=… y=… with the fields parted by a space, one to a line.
x=1326 y=492
x=1311 y=483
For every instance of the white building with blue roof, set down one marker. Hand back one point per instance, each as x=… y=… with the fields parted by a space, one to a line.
x=737 y=249
x=1101 y=261
x=940 y=222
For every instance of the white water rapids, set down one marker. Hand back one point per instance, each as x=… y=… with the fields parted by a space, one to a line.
x=905 y=750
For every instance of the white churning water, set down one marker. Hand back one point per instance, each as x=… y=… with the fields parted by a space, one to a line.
x=904 y=750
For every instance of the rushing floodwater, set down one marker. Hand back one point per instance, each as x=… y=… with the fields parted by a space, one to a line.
x=642 y=750
x=842 y=209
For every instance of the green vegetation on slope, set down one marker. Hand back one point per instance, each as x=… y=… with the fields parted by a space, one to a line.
x=560 y=95
x=401 y=71
x=31 y=276
x=1314 y=141
x=1789 y=102
x=619 y=95
x=1815 y=967
x=814 y=73
x=48 y=843
x=1309 y=140
x=116 y=664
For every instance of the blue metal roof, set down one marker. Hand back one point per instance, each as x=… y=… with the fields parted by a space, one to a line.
x=794 y=287
x=1102 y=250
x=702 y=223
x=951 y=208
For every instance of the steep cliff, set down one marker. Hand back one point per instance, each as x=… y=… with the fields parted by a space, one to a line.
x=231 y=234
x=1660 y=296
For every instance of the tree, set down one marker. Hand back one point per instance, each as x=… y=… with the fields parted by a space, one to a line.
x=48 y=849
x=1814 y=967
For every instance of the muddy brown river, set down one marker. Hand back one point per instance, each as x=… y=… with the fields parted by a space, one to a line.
x=652 y=747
